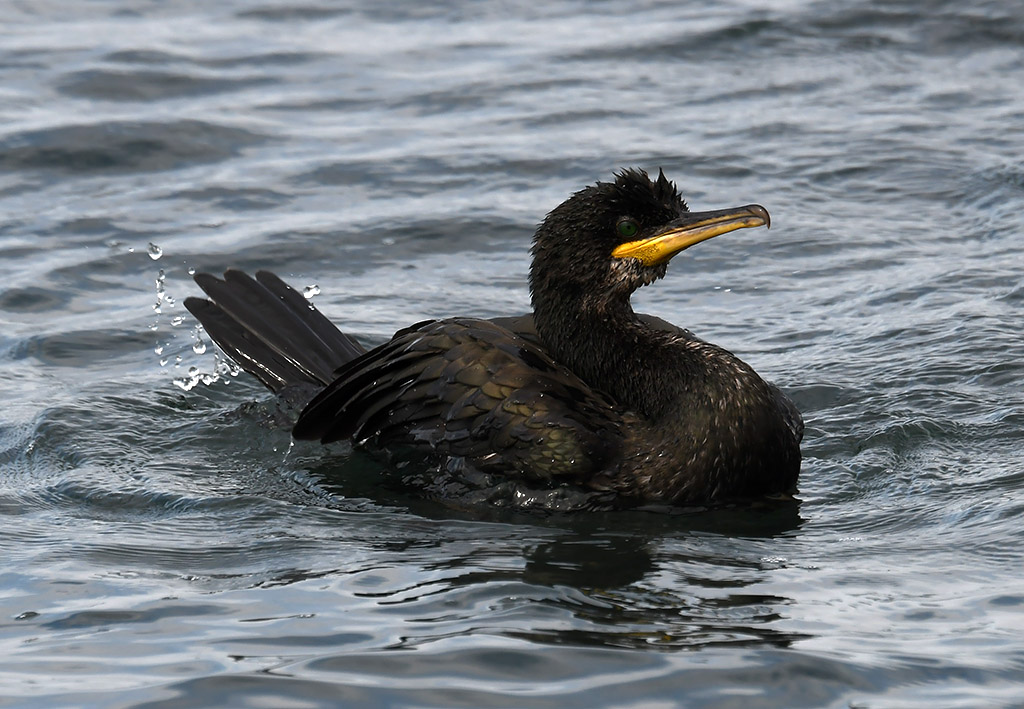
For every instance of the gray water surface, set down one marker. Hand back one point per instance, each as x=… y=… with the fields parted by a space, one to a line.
x=164 y=544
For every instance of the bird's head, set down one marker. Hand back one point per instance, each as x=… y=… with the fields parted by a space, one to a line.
x=611 y=238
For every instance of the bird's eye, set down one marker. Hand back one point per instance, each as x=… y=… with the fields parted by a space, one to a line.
x=627 y=228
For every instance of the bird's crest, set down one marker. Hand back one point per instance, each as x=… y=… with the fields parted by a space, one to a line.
x=635 y=184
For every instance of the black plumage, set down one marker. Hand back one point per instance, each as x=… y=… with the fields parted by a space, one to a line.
x=583 y=392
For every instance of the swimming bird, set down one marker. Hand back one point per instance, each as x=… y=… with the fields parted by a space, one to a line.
x=582 y=393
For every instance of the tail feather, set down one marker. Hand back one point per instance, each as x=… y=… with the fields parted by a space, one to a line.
x=336 y=340
x=270 y=330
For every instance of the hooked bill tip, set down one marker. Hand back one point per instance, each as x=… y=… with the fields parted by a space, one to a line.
x=761 y=212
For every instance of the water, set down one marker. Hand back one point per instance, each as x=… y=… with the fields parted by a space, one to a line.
x=165 y=547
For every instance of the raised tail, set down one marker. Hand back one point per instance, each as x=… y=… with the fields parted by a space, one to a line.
x=271 y=331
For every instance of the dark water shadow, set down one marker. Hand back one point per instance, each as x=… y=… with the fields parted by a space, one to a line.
x=640 y=579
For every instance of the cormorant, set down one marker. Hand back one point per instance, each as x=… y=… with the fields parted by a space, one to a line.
x=583 y=393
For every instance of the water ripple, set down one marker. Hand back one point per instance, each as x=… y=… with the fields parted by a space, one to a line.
x=115 y=146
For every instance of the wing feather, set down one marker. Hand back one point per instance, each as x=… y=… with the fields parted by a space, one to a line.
x=470 y=388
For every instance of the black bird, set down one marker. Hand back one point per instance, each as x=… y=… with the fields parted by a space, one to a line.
x=583 y=393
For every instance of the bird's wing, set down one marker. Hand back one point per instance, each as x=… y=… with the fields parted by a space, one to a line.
x=473 y=389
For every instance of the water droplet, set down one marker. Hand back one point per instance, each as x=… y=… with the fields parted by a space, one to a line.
x=225 y=366
x=191 y=271
x=310 y=291
x=154 y=251
x=199 y=346
x=177 y=320
x=159 y=349
x=160 y=291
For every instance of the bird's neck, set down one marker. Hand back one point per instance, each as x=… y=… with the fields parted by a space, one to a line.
x=606 y=345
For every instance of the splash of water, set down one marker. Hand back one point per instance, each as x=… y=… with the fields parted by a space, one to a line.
x=161 y=291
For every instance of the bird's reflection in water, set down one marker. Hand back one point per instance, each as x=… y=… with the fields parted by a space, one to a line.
x=637 y=578
x=643 y=585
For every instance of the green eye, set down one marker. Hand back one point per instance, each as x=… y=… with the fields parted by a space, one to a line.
x=627 y=228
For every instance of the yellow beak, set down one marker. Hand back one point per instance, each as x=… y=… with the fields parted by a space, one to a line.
x=691 y=228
